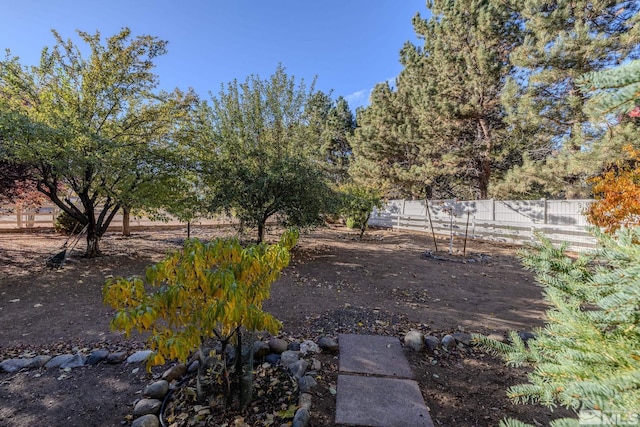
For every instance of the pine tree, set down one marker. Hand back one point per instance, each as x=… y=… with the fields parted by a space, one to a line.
x=588 y=354
x=563 y=41
x=456 y=79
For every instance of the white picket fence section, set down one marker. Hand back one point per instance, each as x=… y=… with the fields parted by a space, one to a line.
x=509 y=221
x=14 y=217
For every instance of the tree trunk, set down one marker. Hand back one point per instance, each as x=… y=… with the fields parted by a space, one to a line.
x=261 y=227
x=126 y=229
x=93 y=244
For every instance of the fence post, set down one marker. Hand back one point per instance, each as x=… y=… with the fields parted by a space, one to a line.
x=493 y=210
x=545 y=209
x=19 y=216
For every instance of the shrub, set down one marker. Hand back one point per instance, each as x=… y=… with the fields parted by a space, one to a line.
x=587 y=357
x=66 y=224
x=204 y=291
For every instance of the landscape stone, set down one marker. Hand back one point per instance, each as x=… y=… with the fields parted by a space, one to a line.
x=309 y=346
x=305 y=401
x=463 y=337
x=373 y=354
x=148 y=420
x=272 y=358
x=14 y=365
x=156 y=390
x=328 y=345
x=431 y=342
x=306 y=384
x=414 y=340
x=193 y=367
x=298 y=368
x=288 y=357
x=139 y=356
x=294 y=346
x=260 y=349
x=97 y=356
x=118 y=357
x=526 y=336
x=57 y=361
x=75 y=361
x=316 y=365
x=278 y=345
x=175 y=372
x=301 y=418
x=496 y=337
x=448 y=342
x=38 y=361
x=146 y=406
x=380 y=402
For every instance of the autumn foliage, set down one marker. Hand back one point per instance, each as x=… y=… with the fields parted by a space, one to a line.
x=617 y=193
x=205 y=291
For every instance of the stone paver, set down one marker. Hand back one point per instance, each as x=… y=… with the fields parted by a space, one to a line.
x=390 y=399
x=380 y=402
x=373 y=354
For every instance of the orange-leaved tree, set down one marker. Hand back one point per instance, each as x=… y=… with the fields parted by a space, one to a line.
x=617 y=193
x=205 y=291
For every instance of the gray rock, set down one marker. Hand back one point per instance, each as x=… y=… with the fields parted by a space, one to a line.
x=414 y=340
x=272 y=358
x=193 y=366
x=526 y=336
x=57 y=361
x=288 y=357
x=305 y=401
x=148 y=420
x=309 y=346
x=118 y=357
x=38 y=361
x=139 y=356
x=463 y=337
x=277 y=345
x=294 y=346
x=174 y=372
x=157 y=390
x=448 y=342
x=14 y=365
x=146 y=406
x=306 y=384
x=301 y=418
x=75 y=362
x=431 y=342
x=97 y=356
x=298 y=368
x=328 y=345
x=260 y=349
x=316 y=365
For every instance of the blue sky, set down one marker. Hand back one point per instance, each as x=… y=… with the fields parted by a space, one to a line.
x=350 y=45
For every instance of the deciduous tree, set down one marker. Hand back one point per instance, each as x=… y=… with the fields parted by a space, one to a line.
x=92 y=128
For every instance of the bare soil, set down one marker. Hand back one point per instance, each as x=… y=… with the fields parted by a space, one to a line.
x=383 y=284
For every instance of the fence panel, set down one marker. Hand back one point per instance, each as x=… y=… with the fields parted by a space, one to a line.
x=508 y=221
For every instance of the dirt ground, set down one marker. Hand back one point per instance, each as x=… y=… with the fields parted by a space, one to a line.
x=335 y=284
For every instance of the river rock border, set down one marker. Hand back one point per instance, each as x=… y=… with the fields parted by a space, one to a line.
x=294 y=356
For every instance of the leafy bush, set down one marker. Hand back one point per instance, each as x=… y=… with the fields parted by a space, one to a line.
x=587 y=357
x=204 y=291
x=357 y=204
x=65 y=223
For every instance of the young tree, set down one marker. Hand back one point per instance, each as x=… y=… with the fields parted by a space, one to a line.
x=204 y=291
x=263 y=156
x=92 y=129
x=357 y=204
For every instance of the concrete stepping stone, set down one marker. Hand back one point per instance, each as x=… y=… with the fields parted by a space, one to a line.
x=373 y=354
x=380 y=402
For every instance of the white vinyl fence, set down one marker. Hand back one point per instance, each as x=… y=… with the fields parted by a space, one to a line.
x=14 y=217
x=509 y=221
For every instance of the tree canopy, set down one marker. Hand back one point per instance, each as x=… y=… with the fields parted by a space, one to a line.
x=93 y=129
